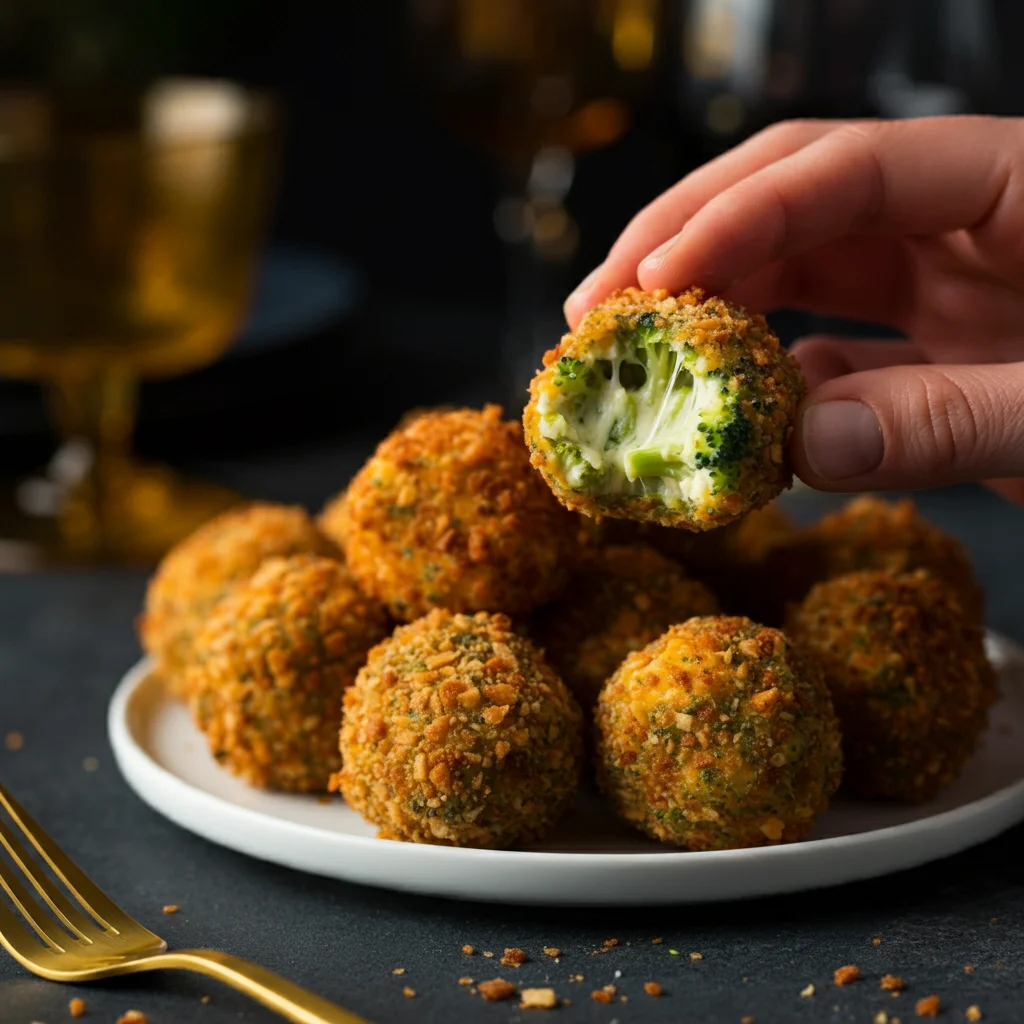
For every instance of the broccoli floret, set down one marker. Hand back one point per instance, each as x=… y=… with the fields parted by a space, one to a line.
x=575 y=466
x=573 y=375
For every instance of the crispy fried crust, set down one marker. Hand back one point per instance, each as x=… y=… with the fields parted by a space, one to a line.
x=268 y=671
x=908 y=673
x=621 y=599
x=719 y=734
x=448 y=513
x=727 y=338
x=458 y=733
x=200 y=570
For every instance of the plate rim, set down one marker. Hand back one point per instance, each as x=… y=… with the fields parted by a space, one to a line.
x=130 y=755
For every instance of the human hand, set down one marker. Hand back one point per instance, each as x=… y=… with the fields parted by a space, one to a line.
x=918 y=225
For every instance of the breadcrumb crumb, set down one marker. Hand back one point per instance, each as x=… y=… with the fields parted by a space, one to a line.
x=696 y=956
x=968 y=968
x=409 y=993
x=927 y=1007
x=891 y=983
x=488 y=954
x=77 y=1007
x=748 y=1019
x=91 y=764
x=652 y=988
x=171 y=908
x=808 y=991
x=846 y=975
x=133 y=1017
x=552 y=951
x=468 y=949
x=881 y=1017
x=496 y=989
x=973 y=1013
x=465 y=981
x=876 y=941
x=604 y=995
x=657 y=942
x=514 y=957
x=538 y=999
x=14 y=741
x=205 y=999
x=398 y=970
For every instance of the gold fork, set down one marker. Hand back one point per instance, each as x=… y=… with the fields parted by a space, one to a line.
x=94 y=938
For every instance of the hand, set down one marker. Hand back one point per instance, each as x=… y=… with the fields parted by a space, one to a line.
x=915 y=224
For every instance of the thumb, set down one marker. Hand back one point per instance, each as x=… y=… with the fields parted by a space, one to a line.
x=912 y=426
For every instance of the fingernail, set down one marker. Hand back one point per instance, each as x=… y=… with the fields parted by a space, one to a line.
x=842 y=439
x=654 y=258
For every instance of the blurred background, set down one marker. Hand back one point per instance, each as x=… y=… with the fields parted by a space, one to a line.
x=239 y=239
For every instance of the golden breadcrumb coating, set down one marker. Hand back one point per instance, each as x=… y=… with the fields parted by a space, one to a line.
x=268 y=671
x=195 y=574
x=870 y=533
x=908 y=675
x=621 y=598
x=719 y=734
x=448 y=513
x=720 y=396
x=458 y=733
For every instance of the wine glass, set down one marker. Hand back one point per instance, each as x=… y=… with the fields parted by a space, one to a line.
x=536 y=83
x=130 y=228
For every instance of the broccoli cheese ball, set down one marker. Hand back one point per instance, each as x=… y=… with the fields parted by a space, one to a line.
x=908 y=675
x=458 y=733
x=869 y=533
x=200 y=570
x=669 y=410
x=268 y=671
x=621 y=599
x=720 y=734
x=449 y=514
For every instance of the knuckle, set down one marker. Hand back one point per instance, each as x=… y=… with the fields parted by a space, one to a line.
x=940 y=428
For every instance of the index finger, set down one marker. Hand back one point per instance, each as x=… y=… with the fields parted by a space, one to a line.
x=920 y=177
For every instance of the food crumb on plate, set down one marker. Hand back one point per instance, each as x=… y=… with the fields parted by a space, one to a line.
x=91 y=764
x=846 y=975
x=891 y=983
x=133 y=1017
x=538 y=999
x=205 y=999
x=604 y=995
x=514 y=957
x=468 y=949
x=398 y=970
x=14 y=741
x=968 y=968
x=77 y=1007
x=652 y=988
x=696 y=956
x=973 y=1013
x=465 y=981
x=409 y=993
x=927 y=1007
x=657 y=942
x=749 y=1019
x=552 y=951
x=496 y=989
x=488 y=954
x=881 y=1017
x=171 y=908
x=808 y=991
x=877 y=940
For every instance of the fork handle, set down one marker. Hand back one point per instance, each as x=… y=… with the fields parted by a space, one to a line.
x=278 y=994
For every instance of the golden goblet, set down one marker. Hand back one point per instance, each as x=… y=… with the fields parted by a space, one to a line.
x=130 y=229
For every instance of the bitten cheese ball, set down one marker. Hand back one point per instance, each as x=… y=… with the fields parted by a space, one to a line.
x=448 y=513
x=268 y=671
x=718 y=735
x=458 y=733
x=673 y=410
x=908 y=674
x=203 y=568
x=622 y=598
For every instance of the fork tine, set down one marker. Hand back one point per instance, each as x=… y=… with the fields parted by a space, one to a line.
x=16 y=939
x=72 y=918
x=41 y=923
x=92 y=898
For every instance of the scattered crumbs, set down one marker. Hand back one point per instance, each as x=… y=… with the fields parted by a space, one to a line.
x=603 y=995
x=696 y=956
x=748 y=1019
x=133 y=1017
x=91 y=764
x=657 y=942
x=575 y=977
x=77 y=1007
x=877 y=940
x=496 y=989
x=171 y=908
x=968 y=968
x=973 y=1013
x=891 y=983
x=927 y=1007
x=398 y=970
x=609 y=943
x=514 y=957
x=846 y=975
x=538 y=999
x=881 y=1017
x=674 y=952
x=468 y=949
x=204 y=999
x=409 y=993
x=808 y=991
x=552 y=951
x=14 y=741
x=652 y=988
x=488 y=954
x=465 y=981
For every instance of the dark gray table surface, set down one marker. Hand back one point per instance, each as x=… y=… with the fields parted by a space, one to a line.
x=65 y=639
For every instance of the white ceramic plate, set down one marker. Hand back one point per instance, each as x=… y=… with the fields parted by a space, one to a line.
x=593 y=860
